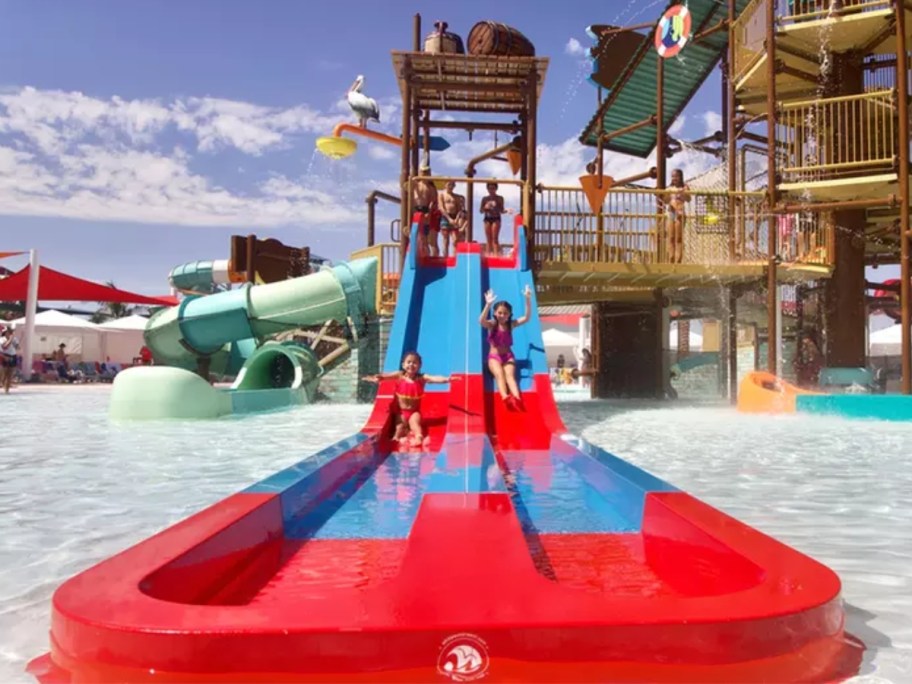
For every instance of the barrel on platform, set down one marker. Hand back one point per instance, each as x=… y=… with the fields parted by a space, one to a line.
x=494 y=38
x=443 y=41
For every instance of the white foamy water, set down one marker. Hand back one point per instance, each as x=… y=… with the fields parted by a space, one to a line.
x=76 y=488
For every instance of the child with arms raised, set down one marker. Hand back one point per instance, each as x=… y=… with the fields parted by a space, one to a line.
x=409 y=390
x=501 y=361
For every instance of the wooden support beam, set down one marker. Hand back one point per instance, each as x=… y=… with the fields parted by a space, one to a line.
x=477 y=125
x=512 y=87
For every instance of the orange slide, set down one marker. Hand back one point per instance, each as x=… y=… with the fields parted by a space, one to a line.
x=762 y=392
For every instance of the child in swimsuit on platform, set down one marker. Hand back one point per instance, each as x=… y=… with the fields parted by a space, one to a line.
x=409 y=390
x=501 y=361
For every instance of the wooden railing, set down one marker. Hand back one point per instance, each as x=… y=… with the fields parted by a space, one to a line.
x=838 y=135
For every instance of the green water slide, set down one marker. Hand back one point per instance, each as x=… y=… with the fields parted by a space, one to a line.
x=211 y=327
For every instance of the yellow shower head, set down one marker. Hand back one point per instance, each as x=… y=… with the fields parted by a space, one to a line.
x=337 y=148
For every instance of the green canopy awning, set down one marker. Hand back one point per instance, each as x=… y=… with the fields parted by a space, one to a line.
x=633 y=97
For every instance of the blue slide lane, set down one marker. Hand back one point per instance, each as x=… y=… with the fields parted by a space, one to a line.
x=576 y=487
x=382 y=502
x=508 y=284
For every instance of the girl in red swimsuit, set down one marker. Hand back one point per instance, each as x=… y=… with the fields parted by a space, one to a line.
x=410 y=384
x=501 y=361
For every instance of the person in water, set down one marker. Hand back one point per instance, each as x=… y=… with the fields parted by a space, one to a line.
x=501 y=361
x=409 y=390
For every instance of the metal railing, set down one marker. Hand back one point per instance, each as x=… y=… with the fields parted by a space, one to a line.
x=816 y=10
x=720 y=228
x=632 y=227
x=387 y=287
x=749 y=32
x=838 y=135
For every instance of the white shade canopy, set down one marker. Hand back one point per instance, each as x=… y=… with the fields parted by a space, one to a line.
x=695 y=339
x=132 y=322
x=558 y=342
x=57 y=320
x=886 y=342
x=83 y=339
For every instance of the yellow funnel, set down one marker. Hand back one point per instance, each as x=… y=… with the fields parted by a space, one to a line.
x=337 y=148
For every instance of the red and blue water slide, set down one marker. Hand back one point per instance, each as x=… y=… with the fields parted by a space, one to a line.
x=509 y=550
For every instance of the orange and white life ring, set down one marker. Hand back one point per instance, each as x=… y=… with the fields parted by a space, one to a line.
x=673 y=31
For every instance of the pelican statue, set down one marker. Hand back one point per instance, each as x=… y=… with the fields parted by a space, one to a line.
x=363 y=106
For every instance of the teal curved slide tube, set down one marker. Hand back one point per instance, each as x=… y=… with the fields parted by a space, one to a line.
x=225 y=327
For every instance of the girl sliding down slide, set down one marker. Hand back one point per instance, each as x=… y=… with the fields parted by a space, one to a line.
x=409 y=390
x=501 y=361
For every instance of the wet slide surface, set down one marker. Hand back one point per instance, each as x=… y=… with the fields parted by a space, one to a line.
x=558 y=560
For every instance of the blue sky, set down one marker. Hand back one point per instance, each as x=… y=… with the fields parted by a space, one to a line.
x=135 y=136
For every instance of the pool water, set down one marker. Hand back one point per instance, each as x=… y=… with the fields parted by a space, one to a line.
x=76 y=488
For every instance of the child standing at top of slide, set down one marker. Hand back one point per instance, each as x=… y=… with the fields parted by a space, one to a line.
x=501 y=361
x=409 y=390
x=492 y=206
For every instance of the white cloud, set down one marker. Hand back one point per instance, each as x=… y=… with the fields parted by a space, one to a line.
x=678 y=125
x=575 y=49
x=70 y=155
x=381 y=152
x=712 y=121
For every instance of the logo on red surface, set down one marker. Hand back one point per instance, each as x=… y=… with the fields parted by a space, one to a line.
x=463 y=657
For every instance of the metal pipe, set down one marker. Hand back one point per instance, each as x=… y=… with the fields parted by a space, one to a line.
x=404 y=218
x=416 y=33
x=622 y=29
x=733 y=344
x=354 y=129
x=660 y=153
x=531 y=144
x=470 y=167
x=721 y=26
x=371 y=200
x=650 y=121
x=731 y=137
x=772 y=301
x=902 y=92
x=652 y=173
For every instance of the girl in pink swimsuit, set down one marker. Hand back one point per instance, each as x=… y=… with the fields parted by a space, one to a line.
x=501 y=361
x=409 y=390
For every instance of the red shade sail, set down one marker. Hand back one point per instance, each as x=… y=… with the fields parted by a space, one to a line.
x=60 y=287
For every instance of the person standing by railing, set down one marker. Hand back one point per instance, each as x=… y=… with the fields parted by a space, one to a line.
x=676 y=213
x=492 y=206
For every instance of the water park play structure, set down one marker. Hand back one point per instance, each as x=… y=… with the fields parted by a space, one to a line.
x=224 y=328
x=509 y=549
x=551 y=558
